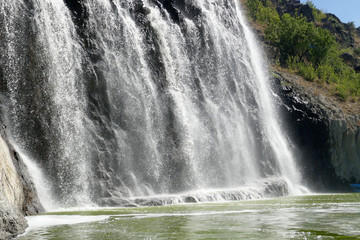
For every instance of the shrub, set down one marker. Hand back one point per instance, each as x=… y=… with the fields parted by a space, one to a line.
x=338 y=26
x=289 y=35
x=294 y=37
x=318 y=14
x=321 y=43
x=269 y=16
x=311 y=51
x=253 y=7
x=342 y=93
x=351 y=26
x=357 y=51
x=307 y=71
x=325 y=73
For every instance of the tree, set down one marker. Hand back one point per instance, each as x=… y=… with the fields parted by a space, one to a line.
x=322 y=42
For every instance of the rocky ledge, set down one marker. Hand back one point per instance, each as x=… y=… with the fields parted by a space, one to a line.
x=325 y=134
x=18 y=196
x=264 y=188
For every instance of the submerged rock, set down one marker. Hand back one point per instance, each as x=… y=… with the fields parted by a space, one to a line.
x=115 y=201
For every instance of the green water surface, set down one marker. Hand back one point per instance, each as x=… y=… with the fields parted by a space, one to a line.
x=334 y=216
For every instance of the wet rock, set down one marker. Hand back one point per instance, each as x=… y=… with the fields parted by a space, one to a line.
x=12 y=220
x=150 y=201
x=190 y=199
x=270 y=187
x=326 y=139
x=80 y=15
x=18 y=196
x=275 y=188
x=115 y=202
x=168 y=5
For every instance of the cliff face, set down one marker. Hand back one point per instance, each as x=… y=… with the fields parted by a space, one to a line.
x=324 y=130
x=326 y=137
x=18 y=196
x=345 y=148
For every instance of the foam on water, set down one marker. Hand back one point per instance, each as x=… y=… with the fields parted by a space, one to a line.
x=41 y=222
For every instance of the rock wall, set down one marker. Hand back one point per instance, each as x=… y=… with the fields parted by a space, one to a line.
x=345 y=148
x=326 y=138
x=18 y=196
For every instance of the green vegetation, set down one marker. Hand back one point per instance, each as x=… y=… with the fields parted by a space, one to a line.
x=318 y=15
x=351 y=26
x=309 y=50
x=357 y=51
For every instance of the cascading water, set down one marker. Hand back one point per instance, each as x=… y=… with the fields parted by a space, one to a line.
x=128 y=98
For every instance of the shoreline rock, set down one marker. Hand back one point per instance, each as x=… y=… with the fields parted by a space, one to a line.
x=18 y=196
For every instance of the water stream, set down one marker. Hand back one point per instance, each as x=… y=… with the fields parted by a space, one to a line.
x=126 y=99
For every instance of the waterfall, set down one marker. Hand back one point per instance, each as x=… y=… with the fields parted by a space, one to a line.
x=132 y=98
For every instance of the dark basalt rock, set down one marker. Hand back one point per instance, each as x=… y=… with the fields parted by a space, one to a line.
x=168 y=5
x=357 y=68
x=294 y=7
x=80 y=16
x=326 y=139
x=349 y=59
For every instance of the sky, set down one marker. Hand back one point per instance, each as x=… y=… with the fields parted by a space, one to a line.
x=346 y=10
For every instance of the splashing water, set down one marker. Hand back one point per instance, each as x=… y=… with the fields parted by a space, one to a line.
x=123 y=99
